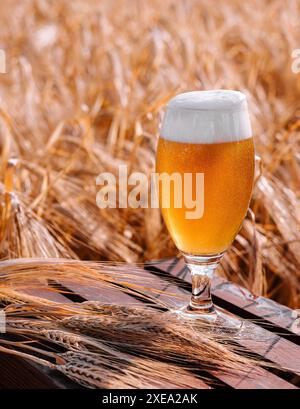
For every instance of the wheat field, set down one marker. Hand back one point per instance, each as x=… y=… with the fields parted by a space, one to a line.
x=85 y=90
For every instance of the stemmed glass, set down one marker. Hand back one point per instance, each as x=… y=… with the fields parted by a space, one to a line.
x=205 y=166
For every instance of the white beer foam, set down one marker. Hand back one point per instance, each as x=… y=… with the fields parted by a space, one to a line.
x=207 y=117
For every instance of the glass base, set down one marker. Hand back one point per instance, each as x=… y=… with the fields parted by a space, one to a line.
x=201 y=308
x=218 y=320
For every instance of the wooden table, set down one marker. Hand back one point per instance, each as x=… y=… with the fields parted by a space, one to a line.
x=277 y=325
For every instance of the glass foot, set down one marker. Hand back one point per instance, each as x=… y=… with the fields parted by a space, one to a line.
x=218 y=321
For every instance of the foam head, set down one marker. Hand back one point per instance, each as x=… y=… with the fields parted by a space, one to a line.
x=207 y=117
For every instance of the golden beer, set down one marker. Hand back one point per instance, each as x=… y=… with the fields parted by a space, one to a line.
x=205 y=156
x=228 y=170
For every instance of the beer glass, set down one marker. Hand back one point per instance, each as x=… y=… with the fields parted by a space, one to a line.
x=207 y=136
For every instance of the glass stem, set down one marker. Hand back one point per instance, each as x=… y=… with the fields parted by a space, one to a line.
x=202 y=270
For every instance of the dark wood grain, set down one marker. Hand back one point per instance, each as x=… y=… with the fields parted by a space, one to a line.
x=170 y=281
x=239 y=300
x=266 y=343
x=17 y=373
x=168 y=292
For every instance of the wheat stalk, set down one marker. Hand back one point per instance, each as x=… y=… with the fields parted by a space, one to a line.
x=90 y=371
x=56 y=138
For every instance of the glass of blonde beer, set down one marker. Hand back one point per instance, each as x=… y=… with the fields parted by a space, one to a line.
x=206 y=135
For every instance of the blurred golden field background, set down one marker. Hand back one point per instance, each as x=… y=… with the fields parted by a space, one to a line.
x=84 y=91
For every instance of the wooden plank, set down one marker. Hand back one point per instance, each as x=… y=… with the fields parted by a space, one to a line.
x=237 y=298
x=117 y=296
x=105 y=296
x=261 y=378
x=49 y=294
x=18 y=373
x=257 y=339
x=272 y=347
